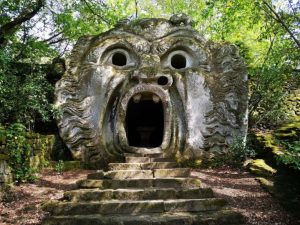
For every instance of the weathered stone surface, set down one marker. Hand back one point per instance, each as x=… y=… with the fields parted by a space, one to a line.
x=5 y=172
x=141 y=183
x=137 y=194
x=98 y=175
x=137 y=159
x=162 y=160
x=143 y=166
x=206 y=218
x=134 y=207
x=152 y=155
x=176 y=172
x=151 y=86
x=129 y=174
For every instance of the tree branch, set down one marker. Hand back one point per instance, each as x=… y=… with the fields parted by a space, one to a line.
x=52 y=37
x=136 y=8
x=277 y=18
x=56 y=41
x=96 y=14
x=24 y=16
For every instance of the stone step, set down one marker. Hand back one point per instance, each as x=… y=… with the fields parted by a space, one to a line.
x=147 y=160
x=207 y=218
x=143 y=174
x=96 y=176
x=175 y=172
x=141 y=183
x=134 y=207
x=142 y=166
x=153 y=155
x=129 y=174
x=162 y=160
x=135 y=159
x=137 y=194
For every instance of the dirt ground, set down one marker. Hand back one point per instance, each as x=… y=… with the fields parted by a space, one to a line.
x=22 y=205
x=244 y=194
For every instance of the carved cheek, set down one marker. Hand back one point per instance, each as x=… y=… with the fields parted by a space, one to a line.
x=99 y=78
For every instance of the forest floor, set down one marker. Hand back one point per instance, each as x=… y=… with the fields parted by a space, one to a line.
x=22 y=204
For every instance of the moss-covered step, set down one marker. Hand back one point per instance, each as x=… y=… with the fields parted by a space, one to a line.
x=134 y=206
x=140 y=183
x=137 y=194
x=142 y=166
x=206 y=218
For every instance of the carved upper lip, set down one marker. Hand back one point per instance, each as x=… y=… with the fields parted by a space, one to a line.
x=146 y=96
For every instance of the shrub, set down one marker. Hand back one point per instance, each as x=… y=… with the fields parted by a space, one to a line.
x=240 y=151
x=291 y=155
x=19 y=152
x=59 y=167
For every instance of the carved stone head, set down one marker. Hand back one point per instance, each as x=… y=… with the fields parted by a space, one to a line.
x=151 y=85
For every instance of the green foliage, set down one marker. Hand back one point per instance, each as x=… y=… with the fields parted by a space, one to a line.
x=59 y=167
x=237 y=154
x=19 y=151
x=240 y=151
x=23 y=92
x=290 y=157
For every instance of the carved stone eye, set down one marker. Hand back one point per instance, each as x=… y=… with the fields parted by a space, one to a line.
x=179 y=59
x=119 y=59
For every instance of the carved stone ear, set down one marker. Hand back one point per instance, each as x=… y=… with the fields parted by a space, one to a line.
x=181 y=19
x=56 y=70
x=59 y=66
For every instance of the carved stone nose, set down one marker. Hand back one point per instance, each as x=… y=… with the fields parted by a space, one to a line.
x=146 y=73
x=148 y=70
x=164 y=80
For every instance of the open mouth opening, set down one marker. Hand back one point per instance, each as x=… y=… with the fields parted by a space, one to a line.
x=145 y=121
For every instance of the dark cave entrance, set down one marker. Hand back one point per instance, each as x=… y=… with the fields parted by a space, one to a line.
x=145 y=123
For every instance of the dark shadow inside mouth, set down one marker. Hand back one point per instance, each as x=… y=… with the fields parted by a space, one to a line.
x=144 y=123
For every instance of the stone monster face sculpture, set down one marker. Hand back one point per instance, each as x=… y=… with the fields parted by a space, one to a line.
x=151 y=86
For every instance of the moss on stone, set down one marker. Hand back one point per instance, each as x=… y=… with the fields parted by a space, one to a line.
x=261 y=164
x=260 y=168
x=268 y=142
x=72 y=165
x=267 y=184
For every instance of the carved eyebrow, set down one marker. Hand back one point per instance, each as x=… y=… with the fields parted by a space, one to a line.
x=123 y=43
x=127 y=38
x=164 y=46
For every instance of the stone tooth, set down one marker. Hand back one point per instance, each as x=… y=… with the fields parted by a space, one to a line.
x=137 y=98
x=155 y=98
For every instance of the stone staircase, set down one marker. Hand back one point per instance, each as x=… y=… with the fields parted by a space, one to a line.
x=146 y=190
